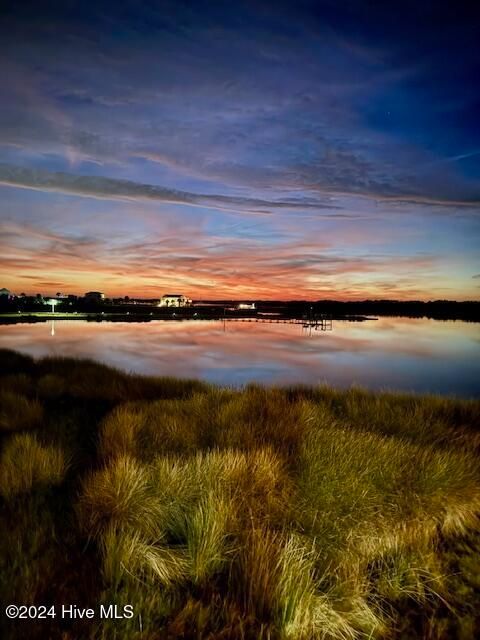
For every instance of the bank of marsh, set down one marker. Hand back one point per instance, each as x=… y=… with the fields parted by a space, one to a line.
x=298 y=512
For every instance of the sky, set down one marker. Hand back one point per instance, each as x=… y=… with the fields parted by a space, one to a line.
x=250 y=149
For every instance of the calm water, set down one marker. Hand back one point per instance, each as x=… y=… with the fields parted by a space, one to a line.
x=388 y=353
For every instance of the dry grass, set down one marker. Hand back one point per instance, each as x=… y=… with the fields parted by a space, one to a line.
x=207 y=537
x=257 y=513
x=92 y=380
x=17 y=412
x=119 y=495
x=51 y=386
x=128 y=555
x=17 y=383
x=26 y=464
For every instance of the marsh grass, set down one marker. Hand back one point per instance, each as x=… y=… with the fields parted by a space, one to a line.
x=18 y=412
x=425 y=419
x=18 y=383
x=92 y=380
x=119 y=495
x=26 y=464
x=254 y=513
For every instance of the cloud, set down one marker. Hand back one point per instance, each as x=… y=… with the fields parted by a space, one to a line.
x=101 y=187
x=324 y=126
x=114 y=189
x=205 y=266
x=257 y=106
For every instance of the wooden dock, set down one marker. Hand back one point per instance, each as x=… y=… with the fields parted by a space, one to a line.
x=321 y=323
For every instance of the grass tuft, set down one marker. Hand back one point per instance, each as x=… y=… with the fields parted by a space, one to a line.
x=206 y=537
x=127 y=555
x=17 y=412
x=25 y=464
x=119 y=495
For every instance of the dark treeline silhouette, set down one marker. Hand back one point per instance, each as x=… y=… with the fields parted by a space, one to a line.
x=147 y=309
x=436 y=309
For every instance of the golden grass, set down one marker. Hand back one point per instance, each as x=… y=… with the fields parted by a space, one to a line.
x=17 y=412
x=119 y=495
x=51 y=386
x=257 y=513
x=92 y=380
x=311 y=547
x=25 y=464
x=128 y=555
x=206 y=537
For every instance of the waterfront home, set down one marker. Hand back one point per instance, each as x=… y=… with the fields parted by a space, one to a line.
x=174 y=300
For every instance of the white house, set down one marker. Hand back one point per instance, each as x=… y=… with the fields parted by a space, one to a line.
x=245 y=305
x=174 y=300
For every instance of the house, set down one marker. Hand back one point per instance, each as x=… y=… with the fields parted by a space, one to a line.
x=94 y=296
x=5 y=292
x=174 y=300
x=245 y=305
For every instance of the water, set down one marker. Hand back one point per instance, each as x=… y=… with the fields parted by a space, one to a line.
x=388 y=353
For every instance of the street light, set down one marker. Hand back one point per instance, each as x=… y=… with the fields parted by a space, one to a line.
x=54 y=303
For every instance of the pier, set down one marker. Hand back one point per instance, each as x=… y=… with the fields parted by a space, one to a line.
x=318 y=323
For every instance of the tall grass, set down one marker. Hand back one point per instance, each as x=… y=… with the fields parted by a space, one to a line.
x=91 y=380
x=17 y=383
x=17 y=412
x=255 y=513
x=129 y=555
x=206 y=537
x=121 y=496
x=26 y=464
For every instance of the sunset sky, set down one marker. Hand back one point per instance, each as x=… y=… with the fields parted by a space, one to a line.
x=309 y=149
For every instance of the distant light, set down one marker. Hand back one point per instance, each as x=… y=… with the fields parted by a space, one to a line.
x=53 y=302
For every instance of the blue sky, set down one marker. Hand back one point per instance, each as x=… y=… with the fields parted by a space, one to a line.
x=276 y=150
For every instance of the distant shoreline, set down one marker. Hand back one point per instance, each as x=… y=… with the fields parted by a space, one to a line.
x=144 y=311
x=32 y=318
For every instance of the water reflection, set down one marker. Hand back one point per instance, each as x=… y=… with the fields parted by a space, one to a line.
x=397 y=353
